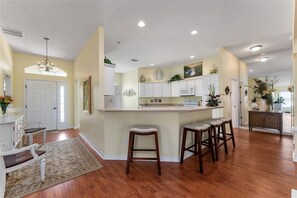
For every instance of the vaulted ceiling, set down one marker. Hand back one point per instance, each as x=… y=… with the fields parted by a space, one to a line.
x=166 y=38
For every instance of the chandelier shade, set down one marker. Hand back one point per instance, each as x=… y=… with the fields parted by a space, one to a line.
x=46 y=64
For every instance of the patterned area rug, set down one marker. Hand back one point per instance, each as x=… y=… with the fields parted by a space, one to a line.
x=64 y=160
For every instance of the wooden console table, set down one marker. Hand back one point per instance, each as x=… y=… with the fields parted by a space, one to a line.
x=266 y=119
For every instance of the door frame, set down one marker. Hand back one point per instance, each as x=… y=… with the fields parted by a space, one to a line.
x=236 y=121
x=59 y=125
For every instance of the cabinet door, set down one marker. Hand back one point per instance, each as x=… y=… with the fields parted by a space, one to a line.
x=206 y=81
x=272 y=121
x=148 y=90
x=175 y=89
x=141 y=90
x=157 y=89
x=109 y=80
x=214 y=79
x=166 y=90
x=199 y=87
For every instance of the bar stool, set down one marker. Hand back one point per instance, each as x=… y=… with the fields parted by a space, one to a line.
x=142 y=130
x=216 y=124
x=231 y=134
x=198 y=129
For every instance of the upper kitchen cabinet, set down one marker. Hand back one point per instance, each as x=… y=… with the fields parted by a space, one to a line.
x=157 y=89
x=175 y=91
x=199 y=87
x=166 y=90
x=109 y=79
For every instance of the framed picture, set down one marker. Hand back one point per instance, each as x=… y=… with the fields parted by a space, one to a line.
x=192 y=70
x=87 y=94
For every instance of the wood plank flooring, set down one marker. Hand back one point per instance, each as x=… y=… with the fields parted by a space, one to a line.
x=260 y=166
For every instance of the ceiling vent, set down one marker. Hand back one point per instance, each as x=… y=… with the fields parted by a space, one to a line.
x=12 y=32
x=134 y=60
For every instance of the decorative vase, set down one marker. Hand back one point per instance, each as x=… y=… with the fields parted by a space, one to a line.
x=142 y=78
x=4 y=108
x=263 y=106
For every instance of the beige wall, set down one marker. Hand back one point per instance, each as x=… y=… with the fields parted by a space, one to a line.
x=118 y=78
x=21 y=61
x=90 y=62
x=229 y=69
x=6 y=62
x=130 y=81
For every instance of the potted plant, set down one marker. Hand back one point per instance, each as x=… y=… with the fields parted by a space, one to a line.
x=213 y=99
x=277 y=105
x=4 y=102
x=107 y=61
x=176 y=77
x=263 y=90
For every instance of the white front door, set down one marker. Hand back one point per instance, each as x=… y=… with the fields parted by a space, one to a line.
x=41 y=103
x=235 y=103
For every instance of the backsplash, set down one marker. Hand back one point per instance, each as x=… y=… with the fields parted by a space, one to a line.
x=168 y=100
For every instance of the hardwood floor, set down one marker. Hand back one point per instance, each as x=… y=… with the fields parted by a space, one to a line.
x=260 y=166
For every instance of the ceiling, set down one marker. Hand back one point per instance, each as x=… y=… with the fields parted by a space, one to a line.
x=166 y=38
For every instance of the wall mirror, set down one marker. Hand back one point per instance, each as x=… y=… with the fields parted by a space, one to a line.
x=7 y=84
x=158 y=74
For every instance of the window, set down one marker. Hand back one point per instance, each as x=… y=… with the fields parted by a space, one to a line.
x=62 y=104
x=56 y=71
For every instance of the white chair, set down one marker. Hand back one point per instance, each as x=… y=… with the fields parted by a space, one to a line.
x=16 y=159
x=33 y=128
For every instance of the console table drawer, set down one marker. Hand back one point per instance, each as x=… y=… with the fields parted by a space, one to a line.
x=269 y=119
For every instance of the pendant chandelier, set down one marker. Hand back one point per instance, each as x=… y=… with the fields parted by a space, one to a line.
x=46 y=65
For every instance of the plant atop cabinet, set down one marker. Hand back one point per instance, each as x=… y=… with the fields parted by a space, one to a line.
x=107 y=61
x=176 y=77
x=214 y=70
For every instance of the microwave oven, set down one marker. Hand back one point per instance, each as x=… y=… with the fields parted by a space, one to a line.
x=187 y=91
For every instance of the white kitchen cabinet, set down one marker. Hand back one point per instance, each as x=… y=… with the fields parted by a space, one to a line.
x=157 y=89
x=199 y=87
x=148 y=89
x=141 y=90
x=187 y=83
x=109 y=79
x=166 y=89
x=11 y=132
x=175 y=89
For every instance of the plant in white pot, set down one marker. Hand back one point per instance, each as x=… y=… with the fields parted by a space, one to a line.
x=263 y=91
x=277 y=105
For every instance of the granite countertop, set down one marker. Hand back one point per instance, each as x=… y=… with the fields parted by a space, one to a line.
x=161 y=109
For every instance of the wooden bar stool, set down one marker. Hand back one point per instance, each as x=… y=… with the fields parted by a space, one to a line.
x=231 y=134
x=198 y=129
x=142 y=130
x=216 y=124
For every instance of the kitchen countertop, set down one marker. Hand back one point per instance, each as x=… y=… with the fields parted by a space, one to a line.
x=161 y=109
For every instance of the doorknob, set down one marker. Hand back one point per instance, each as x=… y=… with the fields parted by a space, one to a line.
x=54 y=107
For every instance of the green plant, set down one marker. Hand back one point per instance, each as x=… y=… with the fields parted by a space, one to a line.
x=214 y=70
x=264 y=88
x=213 y=99
x=107 y=61
x=279 y=100
x=176 y=77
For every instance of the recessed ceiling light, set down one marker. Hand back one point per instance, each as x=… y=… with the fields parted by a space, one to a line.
x=141 y=24
x=194 y=32
x=255 y=48
x=117 y=42
x=251 y=70
x=192 y=56
x=263 y=59
x=152 y=64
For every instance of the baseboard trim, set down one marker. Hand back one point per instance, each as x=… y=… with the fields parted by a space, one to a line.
x=90 y=143
x=124 y=157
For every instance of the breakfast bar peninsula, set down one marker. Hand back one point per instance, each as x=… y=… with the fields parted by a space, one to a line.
x=168 y=119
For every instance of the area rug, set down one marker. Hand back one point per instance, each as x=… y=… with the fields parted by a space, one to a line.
x=65 y=160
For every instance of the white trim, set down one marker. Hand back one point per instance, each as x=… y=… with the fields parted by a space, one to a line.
x=124 y=157
x=293 y=193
